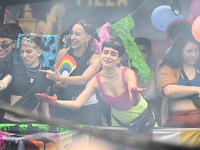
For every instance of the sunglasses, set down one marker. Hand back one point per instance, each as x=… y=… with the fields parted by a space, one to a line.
x=5 y=46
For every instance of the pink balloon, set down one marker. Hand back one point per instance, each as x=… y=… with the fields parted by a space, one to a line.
x=9 y=15
x=191 y=19
x=178 y=21
x=195 y=8
x=196 y=29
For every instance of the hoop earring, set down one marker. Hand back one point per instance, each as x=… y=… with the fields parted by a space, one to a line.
x=86 y=44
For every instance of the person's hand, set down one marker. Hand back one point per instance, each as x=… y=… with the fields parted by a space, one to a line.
x=55 y=76
x=49 y=99
x=60 y=85
x=136 y=90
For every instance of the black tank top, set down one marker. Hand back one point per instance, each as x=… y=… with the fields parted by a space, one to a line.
x=73 y=91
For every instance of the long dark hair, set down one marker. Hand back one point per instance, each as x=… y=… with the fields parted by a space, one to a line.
x=89 y=29
x=174 y=57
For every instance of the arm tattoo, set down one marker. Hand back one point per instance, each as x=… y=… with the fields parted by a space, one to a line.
x=1 y=83
x=97 y=66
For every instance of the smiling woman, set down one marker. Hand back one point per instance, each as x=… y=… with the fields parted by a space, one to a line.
x=88 y=64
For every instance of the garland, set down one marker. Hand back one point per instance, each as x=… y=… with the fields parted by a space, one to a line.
x=122 y=29
x=42 y=128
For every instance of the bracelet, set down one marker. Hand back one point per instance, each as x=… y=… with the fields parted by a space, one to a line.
x=57 y=86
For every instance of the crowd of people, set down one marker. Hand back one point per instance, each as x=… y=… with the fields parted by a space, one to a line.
x=103 y=89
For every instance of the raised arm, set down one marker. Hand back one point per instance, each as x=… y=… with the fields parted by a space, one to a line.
x=5 y=82
x=134 y=91
x=82 y=98
x=94 y=67
x=79 y=102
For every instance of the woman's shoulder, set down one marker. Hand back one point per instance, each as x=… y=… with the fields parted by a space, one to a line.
x=167 y=69
x=62 y=52
x=127 y=70
x=94 y=56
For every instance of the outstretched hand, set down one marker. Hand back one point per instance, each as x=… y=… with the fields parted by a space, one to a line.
x=53 y=75
x=136 y=90
x=49 y=99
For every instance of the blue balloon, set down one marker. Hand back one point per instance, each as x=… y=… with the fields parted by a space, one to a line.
x=162 y=16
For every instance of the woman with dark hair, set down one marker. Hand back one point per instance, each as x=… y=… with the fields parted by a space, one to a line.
x=123 y=96
x=26 y=80
x=178 y=108
x=88 y=64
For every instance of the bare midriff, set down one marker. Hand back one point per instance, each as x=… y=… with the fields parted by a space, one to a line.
x=182 y=105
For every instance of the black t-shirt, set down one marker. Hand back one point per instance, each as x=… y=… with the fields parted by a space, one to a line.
x=24 y=79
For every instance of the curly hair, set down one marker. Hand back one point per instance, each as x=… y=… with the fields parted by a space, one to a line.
x=33 y=39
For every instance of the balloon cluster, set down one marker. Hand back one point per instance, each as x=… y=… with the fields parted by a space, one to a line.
x=195 y=18
x=162 y=16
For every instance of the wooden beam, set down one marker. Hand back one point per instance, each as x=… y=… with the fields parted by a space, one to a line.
x=18 y=2
x=2 y=13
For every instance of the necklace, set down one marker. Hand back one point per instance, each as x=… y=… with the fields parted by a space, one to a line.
x=4 y=65
x=32 y=77
x=80 y=60
x=33 y=70
x=110 y=75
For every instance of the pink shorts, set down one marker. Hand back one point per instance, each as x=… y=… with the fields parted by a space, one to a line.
x=185 y=119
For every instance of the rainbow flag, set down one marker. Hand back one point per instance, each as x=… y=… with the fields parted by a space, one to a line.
x=66 y=65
